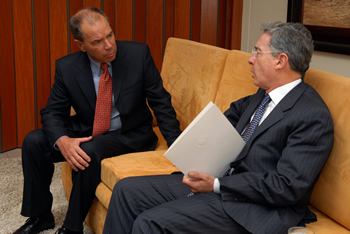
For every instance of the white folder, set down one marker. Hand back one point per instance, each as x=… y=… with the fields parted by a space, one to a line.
x=208 y=145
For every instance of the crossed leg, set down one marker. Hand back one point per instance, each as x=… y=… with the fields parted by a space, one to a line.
x=158 y=204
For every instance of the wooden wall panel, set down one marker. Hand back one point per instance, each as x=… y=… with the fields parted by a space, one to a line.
x=8 y=128
x=58 y=32
x=23 y=42
x=140 y=21
x=42 y=56
x=109 y=8
x=222 y=23
x=124 y=20
x=154 y=27
x=36 y=34
x=229 y=24
x=169 y=20
x=92 y=3
x=196 y=20
x=74 y=7
x=182 y=22
x=236 y=30
x=209 y=19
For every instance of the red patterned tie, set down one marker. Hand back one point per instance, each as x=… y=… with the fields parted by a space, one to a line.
x=103 y=108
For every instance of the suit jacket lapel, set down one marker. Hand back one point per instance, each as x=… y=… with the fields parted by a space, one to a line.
x=119 y=68
x=83 y=75
x=275 y=116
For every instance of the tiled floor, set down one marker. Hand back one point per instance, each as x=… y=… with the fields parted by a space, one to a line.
x=11 y=153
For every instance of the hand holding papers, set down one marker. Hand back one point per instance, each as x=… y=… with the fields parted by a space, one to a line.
x=208 y=145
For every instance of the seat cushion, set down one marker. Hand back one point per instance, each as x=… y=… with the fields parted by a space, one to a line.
x=135 y=164
x=326 y=225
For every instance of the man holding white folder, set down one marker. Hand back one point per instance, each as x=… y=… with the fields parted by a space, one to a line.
x=289 y=135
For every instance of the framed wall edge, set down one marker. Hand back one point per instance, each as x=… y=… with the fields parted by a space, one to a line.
x=326 y=39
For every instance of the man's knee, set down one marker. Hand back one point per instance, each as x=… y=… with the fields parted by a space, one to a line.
x=94 y=154
x=90 y=148
x=123 y=186
x=36 y=147
x=95 y=151
x=146 y=223
x=123 y=190
x=34 y=138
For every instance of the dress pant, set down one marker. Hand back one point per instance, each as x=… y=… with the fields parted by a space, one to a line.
x=159 y=204
x=38 y=158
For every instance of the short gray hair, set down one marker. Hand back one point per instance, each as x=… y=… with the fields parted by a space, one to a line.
x=88 y=14
x=292 y=39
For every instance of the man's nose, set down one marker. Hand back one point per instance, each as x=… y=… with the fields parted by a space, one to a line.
x=108 y=45
x=251 y=60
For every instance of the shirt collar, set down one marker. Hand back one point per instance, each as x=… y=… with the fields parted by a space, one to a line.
x=279 y=93
x=95 y=66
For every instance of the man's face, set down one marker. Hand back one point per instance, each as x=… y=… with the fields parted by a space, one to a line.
x=99 y=41
x=263 y=64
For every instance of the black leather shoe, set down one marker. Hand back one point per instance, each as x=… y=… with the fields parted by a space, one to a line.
x=64 y=230
x=35 y=225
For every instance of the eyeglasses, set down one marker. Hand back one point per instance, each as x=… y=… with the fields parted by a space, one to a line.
x=255 y=52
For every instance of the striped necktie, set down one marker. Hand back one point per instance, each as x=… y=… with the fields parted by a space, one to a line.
x=256 y=119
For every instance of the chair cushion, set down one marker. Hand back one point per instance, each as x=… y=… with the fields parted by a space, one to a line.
x=332 y=194
x=237 y=81
x=135 y=164
x=325 y=224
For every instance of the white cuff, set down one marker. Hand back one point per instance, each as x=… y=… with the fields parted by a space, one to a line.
x=216 y=185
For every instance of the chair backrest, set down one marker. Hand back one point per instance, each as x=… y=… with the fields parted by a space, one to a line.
x=236 y=81
x=332 y=191
x=191 y=73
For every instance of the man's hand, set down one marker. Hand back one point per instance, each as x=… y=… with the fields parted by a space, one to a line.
x=71 y=151
x=200 y=183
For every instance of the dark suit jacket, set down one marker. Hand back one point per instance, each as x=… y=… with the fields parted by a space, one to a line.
x=135 y=79
x=276 y=171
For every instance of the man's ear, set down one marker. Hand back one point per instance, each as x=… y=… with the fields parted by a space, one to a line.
x=282 y=60
x=80 y=45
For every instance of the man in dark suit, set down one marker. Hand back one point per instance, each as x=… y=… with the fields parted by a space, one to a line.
x=267 y=188
x=127 y=72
